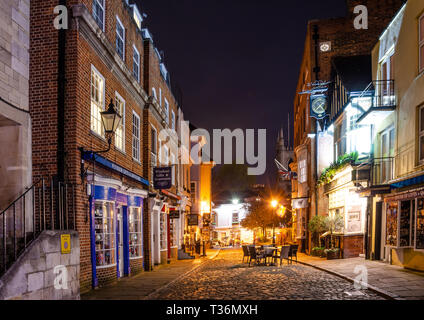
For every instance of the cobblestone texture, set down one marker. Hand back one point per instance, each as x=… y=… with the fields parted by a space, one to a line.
x=227 y=278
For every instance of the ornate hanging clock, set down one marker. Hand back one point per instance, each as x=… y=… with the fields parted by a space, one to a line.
x=319 y=105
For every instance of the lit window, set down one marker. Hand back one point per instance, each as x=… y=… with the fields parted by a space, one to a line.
x=302 y=172
x=99 y=13
x=167 y=111
x=120 y=38
x=164 y=155
x=97 y=101
x=421 y=133
x=136 y=137
x=136 y=64
x=120 y=131
x=137 y=16
x=104 y=233
x=193 y=189
x=135 y=232
x=421 y=42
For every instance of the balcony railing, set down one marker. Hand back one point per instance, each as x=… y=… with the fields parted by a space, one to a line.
x=378 y=96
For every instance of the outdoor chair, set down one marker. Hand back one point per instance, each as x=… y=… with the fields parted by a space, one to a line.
x=293 y=252
x=268 y=253
x=253 y=255
x=245 y=253
x=284 y=254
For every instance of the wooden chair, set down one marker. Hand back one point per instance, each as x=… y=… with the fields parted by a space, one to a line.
x=293 y=252
x=284 y=254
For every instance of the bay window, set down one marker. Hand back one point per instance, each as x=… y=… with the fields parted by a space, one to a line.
x=135 y=232
x=104 y=226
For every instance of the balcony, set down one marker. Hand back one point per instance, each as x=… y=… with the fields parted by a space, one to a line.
x=382 y=171
x=376 y=102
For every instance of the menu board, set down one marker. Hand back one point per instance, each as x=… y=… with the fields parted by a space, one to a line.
x=419 y=244
x=405 y=224
x=391 y=223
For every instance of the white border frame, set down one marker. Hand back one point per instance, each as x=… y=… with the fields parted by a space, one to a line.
x=142 y=234
x=139 y=59
x=123 y=40
x=93 y=68
x=139 y=138
x=117 y=95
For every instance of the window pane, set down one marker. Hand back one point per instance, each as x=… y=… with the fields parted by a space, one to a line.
x=405 y=224
x=419 y=242
x=422 y=148
x=422 y=28
x=391 y=224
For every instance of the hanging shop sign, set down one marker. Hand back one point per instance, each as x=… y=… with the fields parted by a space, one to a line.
x=300 y=203
x=162 y=178
x=174 y=214
x=318 y=106
x=193 y=219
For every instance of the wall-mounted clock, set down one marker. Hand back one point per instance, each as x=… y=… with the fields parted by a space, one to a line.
x=319 y=106
x=325 y=46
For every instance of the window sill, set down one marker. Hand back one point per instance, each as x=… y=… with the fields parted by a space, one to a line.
x=136 y=161
x=136 y=258
x=120 y=151
x=106 y=267
x=96 y=135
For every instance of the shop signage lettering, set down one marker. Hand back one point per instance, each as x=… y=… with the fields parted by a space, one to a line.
x=162 y=178
x=174 y=214
x=193 y=220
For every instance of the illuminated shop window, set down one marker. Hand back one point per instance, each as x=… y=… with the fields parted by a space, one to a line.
x=135 y=232
x=163 y=231
x=419 y=227
x=391 y=224
x=104 y=226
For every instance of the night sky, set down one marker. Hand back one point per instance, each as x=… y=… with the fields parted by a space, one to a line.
x=236 y=61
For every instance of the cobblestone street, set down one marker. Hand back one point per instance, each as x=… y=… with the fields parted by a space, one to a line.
x=225 y=277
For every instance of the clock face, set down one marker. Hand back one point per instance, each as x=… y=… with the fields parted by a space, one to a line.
x=325 y=46
x=319 y=105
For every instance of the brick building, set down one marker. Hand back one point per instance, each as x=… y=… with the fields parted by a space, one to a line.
x=105 y=56
x=325 y=40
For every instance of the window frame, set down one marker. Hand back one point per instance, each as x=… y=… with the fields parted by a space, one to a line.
x=112 y=235
x=166 y=107
x=104 y=13
x=136 y=76
x=118 y=21
x=420 y=44
x=103 y=106
x=420 y=133
x=173 y=121
x=122 y=124
x=139 y=232
x=133 y=137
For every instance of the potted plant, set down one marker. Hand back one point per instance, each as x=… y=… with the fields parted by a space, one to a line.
x=332 y=253
x=333 y=223
x=317 y=252
x=317 y=226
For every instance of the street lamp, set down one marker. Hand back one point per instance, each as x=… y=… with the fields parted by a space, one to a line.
x=111 y=119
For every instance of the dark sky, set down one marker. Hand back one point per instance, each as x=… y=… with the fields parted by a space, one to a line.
x=236 y=61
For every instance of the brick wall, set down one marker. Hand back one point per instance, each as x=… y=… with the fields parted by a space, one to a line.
x=136 y=266
x=353 y=246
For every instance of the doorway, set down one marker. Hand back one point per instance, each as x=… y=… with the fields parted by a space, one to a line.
x=378 y=227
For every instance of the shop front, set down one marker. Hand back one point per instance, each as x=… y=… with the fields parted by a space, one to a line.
x=403 y=227
x=116 y=230
x=344 y=200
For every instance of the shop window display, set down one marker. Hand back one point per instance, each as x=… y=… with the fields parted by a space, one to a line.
x=104 y=233
x=405 y=224
x=419 y=241
x=163 y=231
x=135 y=232
x=391 y=223
x=172 y=233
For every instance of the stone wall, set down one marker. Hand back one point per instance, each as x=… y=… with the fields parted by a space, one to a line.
x=39 y=273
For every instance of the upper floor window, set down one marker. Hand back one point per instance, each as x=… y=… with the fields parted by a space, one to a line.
x=421 y=44
x=302 y=171
x=173 y=168
x=172 y=120
x=421 y=134
x=120 y=38
x=136 y=136
x=154 y=137
x=167 y=111
x=97 y=101
x=120 y=131
x=154 y=94
x=136 y=64
x=99 y=13
x=137 y=16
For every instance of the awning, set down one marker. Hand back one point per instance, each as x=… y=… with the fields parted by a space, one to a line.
x=408 y=182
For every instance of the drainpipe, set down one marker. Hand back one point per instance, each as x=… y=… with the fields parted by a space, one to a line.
x=316 y=71
x=61 y=102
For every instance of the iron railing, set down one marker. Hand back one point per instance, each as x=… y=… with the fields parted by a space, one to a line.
x=378 y=94
x=46 y=205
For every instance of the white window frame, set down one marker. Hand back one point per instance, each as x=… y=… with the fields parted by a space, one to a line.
x=95 y=114
x=122 y=124
x=153 y=155
x=118 y=21
x=160 y=97
x=139 y=232
x=166 y=107
x=173 y=166
x=172 y=120
x=303 y=173
x=102 y=4
x=154 y=94
x=420 y=44
x=420 y=133
x=136 y=62
x=135 y=139
x=164 y=155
